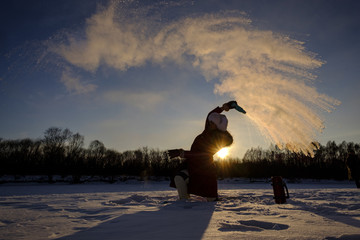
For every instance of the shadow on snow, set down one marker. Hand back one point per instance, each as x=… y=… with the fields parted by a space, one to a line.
x=174 y=220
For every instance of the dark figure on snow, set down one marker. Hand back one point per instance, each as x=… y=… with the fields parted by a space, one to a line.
x=198 y=175
x=353 y=166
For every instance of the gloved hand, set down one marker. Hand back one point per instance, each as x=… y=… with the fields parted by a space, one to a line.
x=173 y=153
x=231 y=104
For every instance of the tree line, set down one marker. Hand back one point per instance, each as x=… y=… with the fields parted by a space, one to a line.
x=328 y=162
x=62 y=152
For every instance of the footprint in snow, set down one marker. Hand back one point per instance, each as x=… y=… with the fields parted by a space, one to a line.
x=252 y=225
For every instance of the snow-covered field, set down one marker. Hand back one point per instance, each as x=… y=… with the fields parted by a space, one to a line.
x=150 y=210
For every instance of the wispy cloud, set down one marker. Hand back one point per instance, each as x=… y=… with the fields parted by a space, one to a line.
x=268 y=73
x=142 y=100
x=74 y=84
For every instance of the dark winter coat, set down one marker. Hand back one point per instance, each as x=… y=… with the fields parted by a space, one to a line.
x=353 y=164
x=202 y=172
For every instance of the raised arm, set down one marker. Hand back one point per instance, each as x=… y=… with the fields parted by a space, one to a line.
x=225 y=107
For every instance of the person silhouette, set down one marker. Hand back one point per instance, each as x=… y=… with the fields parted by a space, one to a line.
x=353 y=166
x=198 y=174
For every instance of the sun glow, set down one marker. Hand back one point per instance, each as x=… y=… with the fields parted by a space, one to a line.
x=222 y=153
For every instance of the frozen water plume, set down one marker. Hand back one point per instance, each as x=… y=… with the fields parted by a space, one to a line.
x=270 y=74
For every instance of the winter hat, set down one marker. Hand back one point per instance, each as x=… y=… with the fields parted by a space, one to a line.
x=219 y=120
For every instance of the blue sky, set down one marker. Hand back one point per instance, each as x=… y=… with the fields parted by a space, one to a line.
x=146 y=73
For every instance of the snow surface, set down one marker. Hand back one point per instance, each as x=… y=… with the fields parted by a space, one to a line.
x=150 y=210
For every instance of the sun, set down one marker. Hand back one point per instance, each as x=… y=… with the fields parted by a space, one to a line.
x=222 y=153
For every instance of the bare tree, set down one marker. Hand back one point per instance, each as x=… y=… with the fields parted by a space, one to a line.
x=54 y=149
x=96 y=153
x=75 y=156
